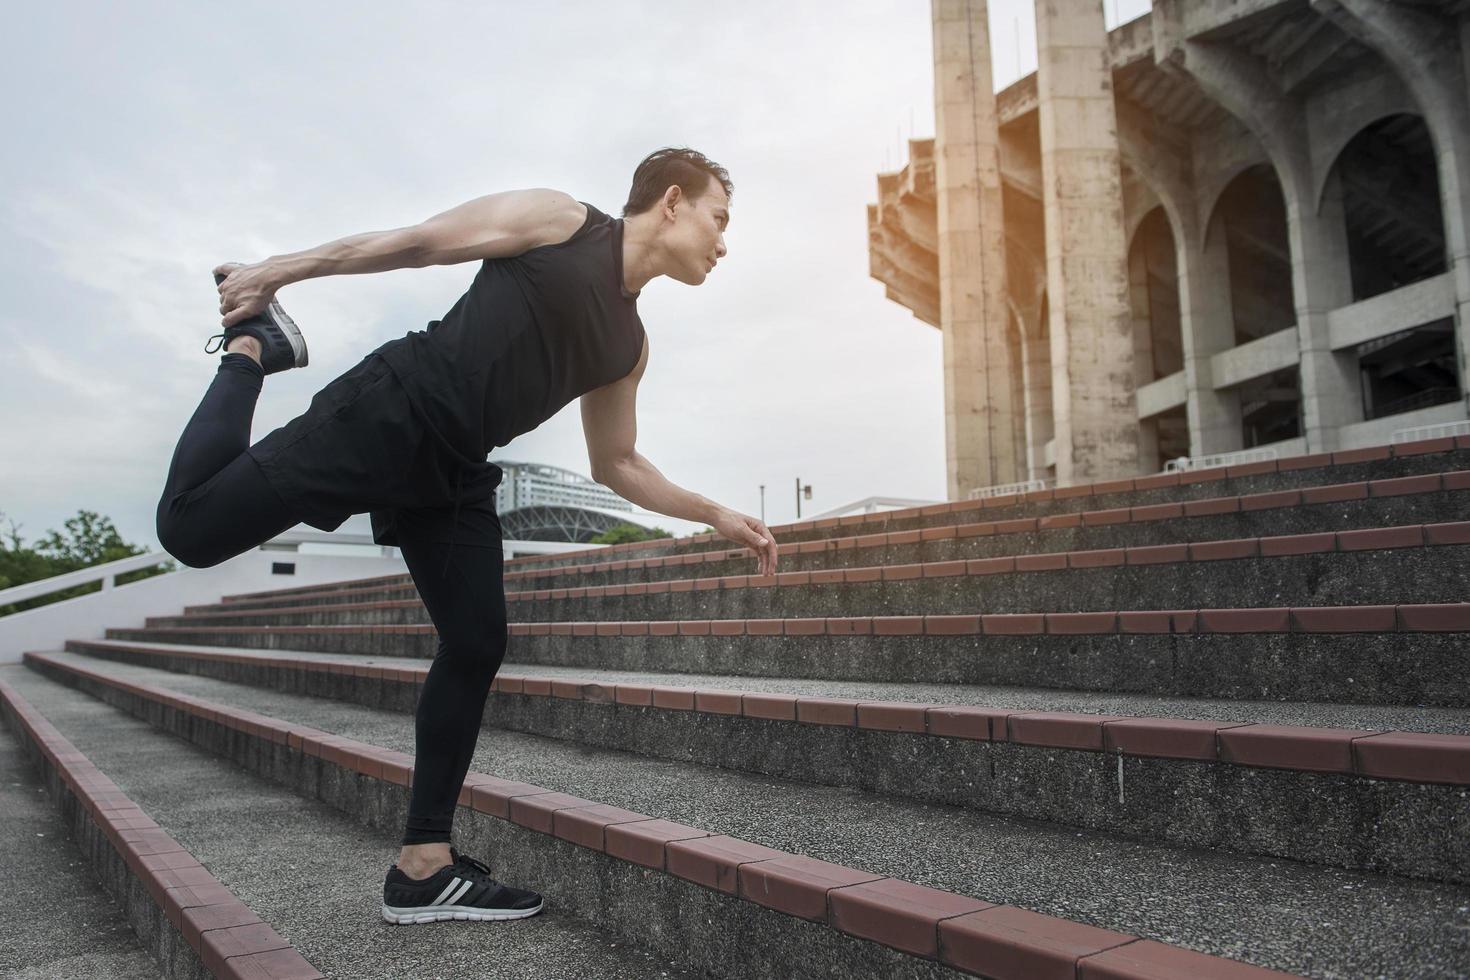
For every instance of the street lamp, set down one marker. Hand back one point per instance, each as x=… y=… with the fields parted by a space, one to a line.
x=800 y=492
x=763 y=503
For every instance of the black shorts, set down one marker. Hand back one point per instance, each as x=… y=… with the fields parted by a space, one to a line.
x=360 y=448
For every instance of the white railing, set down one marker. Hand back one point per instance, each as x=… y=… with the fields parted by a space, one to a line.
x=1007 y=489
x=86 y=617
x=1438 y=431
x=1184 y=463
x=870 y=505
x=107 y=573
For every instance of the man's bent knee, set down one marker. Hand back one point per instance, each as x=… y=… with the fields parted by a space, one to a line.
x=185 y=543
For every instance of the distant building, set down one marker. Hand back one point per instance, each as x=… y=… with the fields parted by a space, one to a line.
x=1224 y=227
x=539 y=485
x=537 y=502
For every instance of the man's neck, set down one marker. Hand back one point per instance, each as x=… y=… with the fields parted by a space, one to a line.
x=640 y=261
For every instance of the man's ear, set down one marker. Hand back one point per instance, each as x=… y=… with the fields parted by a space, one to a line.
x=673 y=195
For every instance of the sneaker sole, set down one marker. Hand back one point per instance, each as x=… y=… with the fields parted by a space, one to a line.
x=415 y=916
x=288 y=328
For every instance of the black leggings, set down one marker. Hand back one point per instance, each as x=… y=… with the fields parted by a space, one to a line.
x=217 y=504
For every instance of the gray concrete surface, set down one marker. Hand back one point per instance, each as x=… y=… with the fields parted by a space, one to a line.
x=1416 y=829
x=1261 y=483
x=1408 y=668
x=59 y=923
x=1277 y=913
x=1315 y=714
x=310 y=872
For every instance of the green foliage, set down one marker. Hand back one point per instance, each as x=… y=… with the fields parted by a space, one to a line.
x=89 y=539
x=623 y=533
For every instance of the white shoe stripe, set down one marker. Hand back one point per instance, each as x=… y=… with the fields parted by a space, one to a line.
x=459 y=894
x=447 y=889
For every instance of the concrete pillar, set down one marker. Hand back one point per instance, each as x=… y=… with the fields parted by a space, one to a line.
x=1321 y=278
x=1427 y=49
x=1036 y=381
x=1143 y=352
x=1205 y=320
x=1095 y=406
x=980 y=445
x=1215 y=424
x=1016 y=351
x=1332 y=395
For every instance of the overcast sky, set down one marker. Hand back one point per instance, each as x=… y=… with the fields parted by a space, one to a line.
x=147 y=142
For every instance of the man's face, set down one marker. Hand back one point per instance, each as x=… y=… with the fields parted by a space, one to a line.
x=698 y=236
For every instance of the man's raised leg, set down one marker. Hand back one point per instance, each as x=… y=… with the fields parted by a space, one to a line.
x=216 y=503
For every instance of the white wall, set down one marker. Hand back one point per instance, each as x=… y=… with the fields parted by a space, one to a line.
x=86 y=617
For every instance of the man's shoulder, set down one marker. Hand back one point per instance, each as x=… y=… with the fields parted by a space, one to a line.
x=564 y=218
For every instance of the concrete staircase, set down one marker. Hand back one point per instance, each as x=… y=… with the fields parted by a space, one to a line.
x=1211 y=725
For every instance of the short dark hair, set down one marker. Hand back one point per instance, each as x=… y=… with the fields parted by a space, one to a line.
x=688 y=168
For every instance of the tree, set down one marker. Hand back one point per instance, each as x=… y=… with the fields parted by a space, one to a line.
x=625 y=532
x=90 y=539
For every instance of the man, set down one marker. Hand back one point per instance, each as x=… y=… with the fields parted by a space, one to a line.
x=550 y=316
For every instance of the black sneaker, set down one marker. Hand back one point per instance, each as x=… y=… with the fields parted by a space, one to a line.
x=462 y=890
x=281 y=343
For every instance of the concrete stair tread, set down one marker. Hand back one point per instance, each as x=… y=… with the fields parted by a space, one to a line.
x=1349 y=466
x=1314 y=714
x=1409 y=565
x=1376 y=505
x=1363 y=924
x=321 y=888
x=60 y=923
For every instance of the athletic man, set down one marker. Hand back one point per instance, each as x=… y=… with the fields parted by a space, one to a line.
x=550 y=316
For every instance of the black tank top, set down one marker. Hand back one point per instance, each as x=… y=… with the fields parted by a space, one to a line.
x=532 y=332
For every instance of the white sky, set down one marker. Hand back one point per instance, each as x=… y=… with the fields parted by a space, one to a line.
x=146 y=142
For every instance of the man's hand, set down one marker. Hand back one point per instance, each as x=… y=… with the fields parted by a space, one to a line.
x=750 y=532
x=246 y=290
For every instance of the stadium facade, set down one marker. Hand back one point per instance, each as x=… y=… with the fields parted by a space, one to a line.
x=1222 y=226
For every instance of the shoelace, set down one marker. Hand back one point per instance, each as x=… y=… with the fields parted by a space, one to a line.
x=472 y=863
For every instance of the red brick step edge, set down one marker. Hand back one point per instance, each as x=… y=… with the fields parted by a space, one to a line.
x=1341 y=457
x=231 y=941
x=977 y=937
x=1421 y=757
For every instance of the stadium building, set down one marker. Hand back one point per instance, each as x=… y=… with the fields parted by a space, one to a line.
x=537 y=502
x=1222 y=227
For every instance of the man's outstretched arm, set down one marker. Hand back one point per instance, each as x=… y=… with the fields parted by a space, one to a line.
x=609 y=421
x=493 y=226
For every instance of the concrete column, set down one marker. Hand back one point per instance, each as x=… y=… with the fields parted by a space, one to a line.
x=1214 y=418
x=1205 y=321
x=1427 y=50
x=1095 y=405
x=1242 y=84
x=1332 y=394
x=1036 y=380
x=1143 y=352
x=1016 y=351
x=980 y=445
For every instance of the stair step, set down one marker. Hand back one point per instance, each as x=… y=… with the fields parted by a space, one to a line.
x=1352 y=466
x=322 y=886
x=1407 y=654
x=1252 y=771
x=1282 y=914
x=45 y=871
x=1232 y=518
x=1406 y=565
x=188 y=919
x=1228 y=519
x=754 y=896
